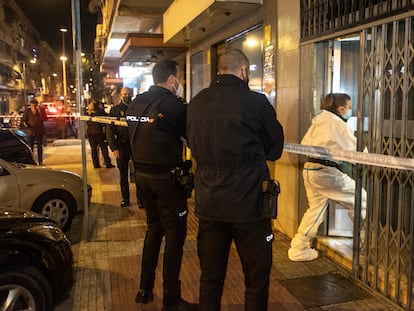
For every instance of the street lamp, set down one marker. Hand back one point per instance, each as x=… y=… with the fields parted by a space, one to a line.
x=63 y=58
x=24 y=84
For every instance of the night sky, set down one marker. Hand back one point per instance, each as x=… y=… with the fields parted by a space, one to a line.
x=48 y=16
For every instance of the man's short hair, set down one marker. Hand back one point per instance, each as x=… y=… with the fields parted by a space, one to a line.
x=232 y=60
x=163 y=69
x=34 y=102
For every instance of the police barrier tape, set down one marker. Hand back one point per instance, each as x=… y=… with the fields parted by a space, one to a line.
x=106 y=120
x=351 y=156
x=62 y=115
x=101 y=119
x=312 y=151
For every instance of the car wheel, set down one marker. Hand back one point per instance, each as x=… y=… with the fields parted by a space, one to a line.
x=58 y=206
x=24 y=288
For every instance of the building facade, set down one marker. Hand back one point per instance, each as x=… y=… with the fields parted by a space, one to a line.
x=300 y=51
x=26 y=62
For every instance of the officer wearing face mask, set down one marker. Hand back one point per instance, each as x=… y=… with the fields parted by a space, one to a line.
x=323 y=179
x=232 y=131
x=156 y=122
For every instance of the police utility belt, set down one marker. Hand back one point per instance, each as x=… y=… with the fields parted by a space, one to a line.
x=183 y=176
x=180 y=175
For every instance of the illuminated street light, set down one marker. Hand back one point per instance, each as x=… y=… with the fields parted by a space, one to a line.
x=24 y=84
x=63 y=58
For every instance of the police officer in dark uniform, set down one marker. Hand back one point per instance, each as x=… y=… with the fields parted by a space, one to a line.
x=232 y=131
x=96 y=135
x=118 y=140
x=156 y=121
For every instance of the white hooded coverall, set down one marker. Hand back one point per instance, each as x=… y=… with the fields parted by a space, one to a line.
x=324 y=182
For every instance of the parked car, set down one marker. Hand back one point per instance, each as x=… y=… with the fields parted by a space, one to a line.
x=57 y=194
x=14 y=146
x=36 y=262
x=53 y=108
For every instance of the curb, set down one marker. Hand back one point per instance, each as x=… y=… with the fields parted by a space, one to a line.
x=66 y=142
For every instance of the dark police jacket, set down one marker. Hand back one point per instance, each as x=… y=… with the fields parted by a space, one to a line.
x=156 y=122
x=96 y=129
x=117 y=136
x=231 y=131
x=34 y=121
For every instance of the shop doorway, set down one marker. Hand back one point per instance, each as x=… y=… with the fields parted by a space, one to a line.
x=338 y=72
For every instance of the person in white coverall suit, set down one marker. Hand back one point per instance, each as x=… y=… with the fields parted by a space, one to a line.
x=323 y=179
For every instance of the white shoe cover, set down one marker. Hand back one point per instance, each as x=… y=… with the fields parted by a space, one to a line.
x=306 y=254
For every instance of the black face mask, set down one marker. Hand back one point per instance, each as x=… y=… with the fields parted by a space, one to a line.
x=127 y=99
x=246 y=78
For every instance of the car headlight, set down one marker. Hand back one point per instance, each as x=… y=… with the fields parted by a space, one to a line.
x=51 y=232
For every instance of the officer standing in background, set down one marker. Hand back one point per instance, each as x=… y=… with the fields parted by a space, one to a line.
x=118 y=140
x=96 y=135
x=156 y=121
x=232 y=131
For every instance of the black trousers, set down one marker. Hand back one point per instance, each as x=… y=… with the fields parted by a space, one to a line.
x=39 y=142
x=254 y=245
x=96 y=142
x=122 y=163
x=166 y=207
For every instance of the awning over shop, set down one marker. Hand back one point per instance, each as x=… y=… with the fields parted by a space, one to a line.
x=190 y=21
x=149 y=48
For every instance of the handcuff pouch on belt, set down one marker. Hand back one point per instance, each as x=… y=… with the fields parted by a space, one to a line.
x=270 y=191
x=183 y=176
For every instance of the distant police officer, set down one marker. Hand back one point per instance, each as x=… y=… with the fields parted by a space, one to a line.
x=156 y=121
x=118 y=140
x=96 y=135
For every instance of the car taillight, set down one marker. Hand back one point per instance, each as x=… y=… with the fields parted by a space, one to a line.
x=52 y=110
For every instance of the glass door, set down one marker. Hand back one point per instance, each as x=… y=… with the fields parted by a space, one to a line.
x=339 y=74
